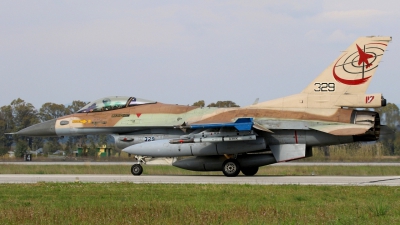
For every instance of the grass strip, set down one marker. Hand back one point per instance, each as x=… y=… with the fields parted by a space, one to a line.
x=127 y=203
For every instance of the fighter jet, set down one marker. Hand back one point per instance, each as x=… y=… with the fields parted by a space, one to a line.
x=234 y=140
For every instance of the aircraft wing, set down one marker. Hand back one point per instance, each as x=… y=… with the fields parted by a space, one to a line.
x=339 y=129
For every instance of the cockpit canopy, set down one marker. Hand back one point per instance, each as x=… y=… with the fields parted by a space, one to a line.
x=112 y=103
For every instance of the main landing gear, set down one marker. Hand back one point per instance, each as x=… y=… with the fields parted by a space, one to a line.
x=231 y=168
x=249 y=171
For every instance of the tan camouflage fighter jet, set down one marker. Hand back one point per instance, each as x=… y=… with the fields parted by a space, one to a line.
x=241 y=139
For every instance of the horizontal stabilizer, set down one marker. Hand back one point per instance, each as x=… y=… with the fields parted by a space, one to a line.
x=241 y=124
x=343 y=129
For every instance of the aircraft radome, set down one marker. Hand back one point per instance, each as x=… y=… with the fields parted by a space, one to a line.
x=241 y=139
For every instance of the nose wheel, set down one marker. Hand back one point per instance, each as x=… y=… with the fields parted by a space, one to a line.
x=231 y=168
x=136 y=169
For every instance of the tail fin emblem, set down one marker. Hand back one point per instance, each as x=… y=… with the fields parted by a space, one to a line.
x=363 y=57
x=358 y=63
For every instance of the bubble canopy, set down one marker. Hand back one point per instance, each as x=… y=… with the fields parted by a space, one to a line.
x=112 y=103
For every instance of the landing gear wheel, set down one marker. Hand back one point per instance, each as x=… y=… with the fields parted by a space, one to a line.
x=249 y=171
x=231 y=168
x=136 y=169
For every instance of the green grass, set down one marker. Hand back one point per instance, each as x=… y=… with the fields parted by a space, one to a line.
x=126 y=203
x=170 y=170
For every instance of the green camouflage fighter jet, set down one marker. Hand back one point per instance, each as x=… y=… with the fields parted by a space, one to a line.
x=241 y=139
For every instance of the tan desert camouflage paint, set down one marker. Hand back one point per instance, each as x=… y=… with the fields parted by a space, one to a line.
x=328 y=99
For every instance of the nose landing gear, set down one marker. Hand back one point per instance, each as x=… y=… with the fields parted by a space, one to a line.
x=136 y=169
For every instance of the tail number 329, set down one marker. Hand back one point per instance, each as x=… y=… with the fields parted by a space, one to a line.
x=321 y=87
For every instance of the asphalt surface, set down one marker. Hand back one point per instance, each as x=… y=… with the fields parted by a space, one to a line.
x=255 y=180
x=209 y=179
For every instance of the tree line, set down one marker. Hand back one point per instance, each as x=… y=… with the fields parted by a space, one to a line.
x=390 y=135
x=21 y=114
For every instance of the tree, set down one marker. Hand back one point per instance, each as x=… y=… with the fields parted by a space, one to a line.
x=223 y=104
x=396 y=144
x=102 y=140
x=51 y=145
x=21 y=148
x=390 y=117
x=24 y=114
x=6 y=126
x=75 y=106
x=37 y=142
x=199 y=103
x=91 y=150
x=50 y=111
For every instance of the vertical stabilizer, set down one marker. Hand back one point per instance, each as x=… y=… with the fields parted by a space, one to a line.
x=353 y=70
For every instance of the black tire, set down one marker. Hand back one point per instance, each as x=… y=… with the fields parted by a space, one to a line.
x=136 y=169
x=249 y=171
x=231 y=168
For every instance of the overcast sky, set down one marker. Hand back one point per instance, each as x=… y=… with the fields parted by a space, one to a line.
x=184 y=51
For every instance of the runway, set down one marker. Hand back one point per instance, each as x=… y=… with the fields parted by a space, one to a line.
x=208 y=179
x=212 y=179
x=276 y=164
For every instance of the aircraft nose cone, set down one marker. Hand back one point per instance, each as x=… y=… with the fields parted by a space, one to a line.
x=128 y=150
x=45 y=129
